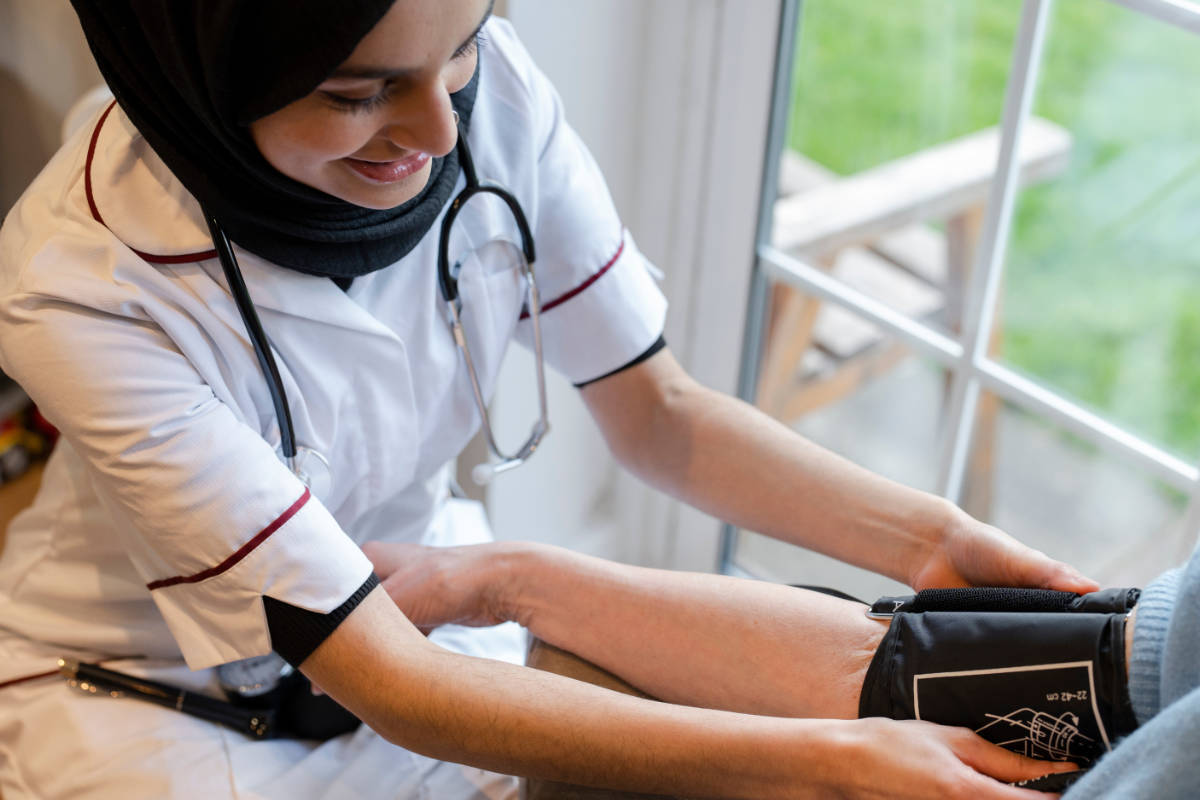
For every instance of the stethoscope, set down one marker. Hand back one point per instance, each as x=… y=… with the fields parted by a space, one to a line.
x=448 y=287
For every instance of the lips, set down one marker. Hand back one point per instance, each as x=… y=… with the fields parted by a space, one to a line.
x=388 y=171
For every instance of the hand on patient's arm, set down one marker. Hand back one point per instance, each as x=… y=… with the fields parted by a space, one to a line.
x=520 y=721
x=729 y=459
x=435 y=586
x=972 y=553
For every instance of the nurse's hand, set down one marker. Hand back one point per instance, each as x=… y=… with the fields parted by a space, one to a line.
x=971 y=553
x=435 y=586
x=913 y=759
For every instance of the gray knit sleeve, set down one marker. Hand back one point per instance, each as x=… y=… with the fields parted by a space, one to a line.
x=1149 y=641
x=1159 y=759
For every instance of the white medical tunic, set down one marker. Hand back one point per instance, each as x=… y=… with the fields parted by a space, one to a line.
x=166 y=513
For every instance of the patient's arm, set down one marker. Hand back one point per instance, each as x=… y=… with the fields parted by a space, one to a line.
x=697 y=639
x=707 y=640
x=689 y=638
x=526 y=722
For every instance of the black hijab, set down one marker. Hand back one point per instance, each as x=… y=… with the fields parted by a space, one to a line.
x=193 y=74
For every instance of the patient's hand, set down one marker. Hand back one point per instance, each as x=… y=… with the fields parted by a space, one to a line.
x=441 y=585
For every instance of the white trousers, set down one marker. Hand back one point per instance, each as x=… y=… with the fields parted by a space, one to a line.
x=56 y=742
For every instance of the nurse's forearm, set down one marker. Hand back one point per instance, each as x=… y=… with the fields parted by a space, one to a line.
x=521 y=721
x=731 y=460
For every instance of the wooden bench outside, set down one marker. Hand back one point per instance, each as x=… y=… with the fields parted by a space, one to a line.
x=871 y=230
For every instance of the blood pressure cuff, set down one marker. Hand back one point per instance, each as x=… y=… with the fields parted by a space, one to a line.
x=1041 y=673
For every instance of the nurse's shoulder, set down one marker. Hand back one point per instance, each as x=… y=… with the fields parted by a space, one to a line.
x=104 y=211
x=76 y=285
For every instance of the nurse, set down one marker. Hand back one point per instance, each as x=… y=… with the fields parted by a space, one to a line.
x=170 y=535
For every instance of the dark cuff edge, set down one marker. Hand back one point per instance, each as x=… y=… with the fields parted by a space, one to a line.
x=659 y=344
x=296 y=632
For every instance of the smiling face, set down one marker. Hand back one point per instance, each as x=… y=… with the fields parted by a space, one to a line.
x=367 y=134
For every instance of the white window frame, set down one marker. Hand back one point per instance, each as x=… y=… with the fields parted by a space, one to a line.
x=965 y=357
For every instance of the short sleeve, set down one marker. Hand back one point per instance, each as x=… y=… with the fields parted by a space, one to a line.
x=210 y=518
x=601 y=307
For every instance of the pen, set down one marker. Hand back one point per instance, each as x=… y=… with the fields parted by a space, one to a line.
x=93 y=679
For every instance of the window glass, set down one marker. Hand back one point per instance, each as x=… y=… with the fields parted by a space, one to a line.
x=1101 y=299
x=1056 y=492
x=879 y=405
x=892 y=146
x=887 y=168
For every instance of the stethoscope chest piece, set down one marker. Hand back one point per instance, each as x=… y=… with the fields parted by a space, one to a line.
x=312 y=469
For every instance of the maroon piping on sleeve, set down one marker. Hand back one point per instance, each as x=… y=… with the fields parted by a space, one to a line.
x=186 y=258
x=27 y=678
x=562 y=298
x=54 y=673
x=241 y=552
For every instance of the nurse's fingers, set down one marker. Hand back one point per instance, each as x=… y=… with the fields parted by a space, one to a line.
x=387 y=557
x=1005 y=765
x=911 y=759
x=439 y=585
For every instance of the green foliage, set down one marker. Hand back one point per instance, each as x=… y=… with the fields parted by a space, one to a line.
x=1102 y=282
x=1183 y=413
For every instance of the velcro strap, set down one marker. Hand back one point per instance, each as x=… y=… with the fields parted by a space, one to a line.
x=1028 y=601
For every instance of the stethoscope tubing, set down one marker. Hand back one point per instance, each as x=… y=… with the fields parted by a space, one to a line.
x=448 y=285
x=258 y=338
x=447 y=281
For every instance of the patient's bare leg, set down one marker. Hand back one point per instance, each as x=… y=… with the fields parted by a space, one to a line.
x=705 y=640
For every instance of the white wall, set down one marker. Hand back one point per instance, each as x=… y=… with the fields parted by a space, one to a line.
x=592 y=52
x=672 y=98
x=44 y=66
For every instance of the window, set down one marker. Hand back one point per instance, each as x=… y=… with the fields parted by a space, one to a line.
x=979 y=272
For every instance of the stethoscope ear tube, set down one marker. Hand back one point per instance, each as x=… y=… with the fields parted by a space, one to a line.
x=448 y=285
x=447 y=282
x=258 y=337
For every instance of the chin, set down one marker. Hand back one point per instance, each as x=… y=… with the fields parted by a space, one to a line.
x=378 y=198
x=377 y=203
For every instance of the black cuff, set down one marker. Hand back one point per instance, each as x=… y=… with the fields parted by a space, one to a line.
x=659 y=344
x=297 y=632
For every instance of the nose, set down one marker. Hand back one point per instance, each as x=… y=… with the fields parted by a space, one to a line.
x=427 y=123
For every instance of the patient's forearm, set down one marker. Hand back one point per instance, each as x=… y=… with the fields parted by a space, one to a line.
x=705 y=640
x=520 y=721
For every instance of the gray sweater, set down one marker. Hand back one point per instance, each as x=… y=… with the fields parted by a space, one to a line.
x=1162 y=758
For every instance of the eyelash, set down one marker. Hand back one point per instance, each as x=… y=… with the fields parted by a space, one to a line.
x=367 y=104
